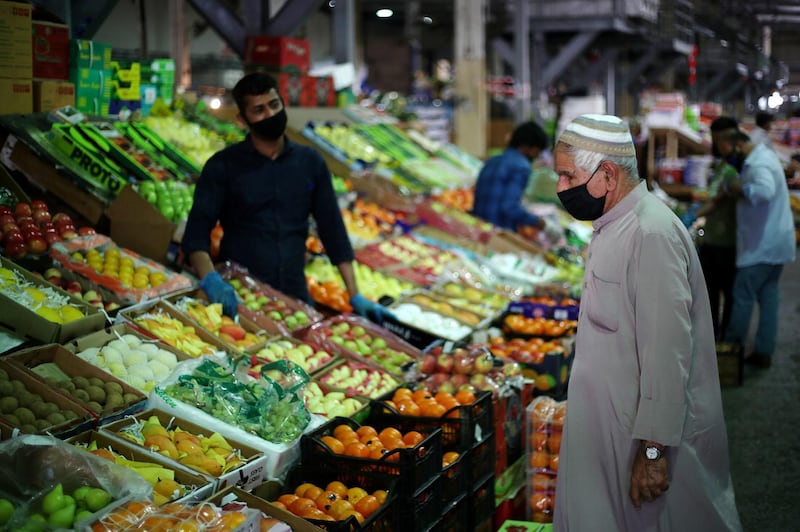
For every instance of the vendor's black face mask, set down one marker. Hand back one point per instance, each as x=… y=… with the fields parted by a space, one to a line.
x=580 y=204
x=271 y=128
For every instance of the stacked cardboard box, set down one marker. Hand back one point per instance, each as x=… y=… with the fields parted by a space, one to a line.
x=50 y=44
x=90 y=71
x=159 y=74
x=289 y=60
x=16 y=65
x=126 y=92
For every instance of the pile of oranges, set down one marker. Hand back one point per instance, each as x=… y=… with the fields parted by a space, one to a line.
x=423 y=403
x=545 y=424
x=367 y=442
x=189 y=517
x=538 y=326
x=462 y=199
x=329 y=293
x=336 y=502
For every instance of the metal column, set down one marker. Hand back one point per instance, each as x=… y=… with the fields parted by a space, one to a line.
x=522 y=60
x=471 y=112
x=344 y=31
x=179 y=44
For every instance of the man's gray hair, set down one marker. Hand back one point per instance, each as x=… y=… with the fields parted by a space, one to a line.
x=588 y=161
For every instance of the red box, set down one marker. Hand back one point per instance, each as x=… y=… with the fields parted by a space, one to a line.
x=322 y=88
x=50 y=50
x=295 y=90
x=280 y=53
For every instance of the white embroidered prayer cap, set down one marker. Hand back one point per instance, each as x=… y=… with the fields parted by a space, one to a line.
x=605 y=134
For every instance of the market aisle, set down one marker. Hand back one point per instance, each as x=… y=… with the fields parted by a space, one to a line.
x=763 y=419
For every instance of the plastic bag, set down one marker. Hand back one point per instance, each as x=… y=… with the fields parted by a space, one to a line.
x=31 y=465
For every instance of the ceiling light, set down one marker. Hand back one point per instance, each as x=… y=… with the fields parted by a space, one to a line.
x=427 y=20
x=332 y=4
x=384 y=13
x=775 y=100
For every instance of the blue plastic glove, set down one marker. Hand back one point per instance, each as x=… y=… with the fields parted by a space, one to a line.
x=369 y=309
x=218 y=291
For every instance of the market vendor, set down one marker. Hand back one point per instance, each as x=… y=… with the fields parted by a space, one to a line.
x=262 y=191
x=503 y=180
x=644 y=445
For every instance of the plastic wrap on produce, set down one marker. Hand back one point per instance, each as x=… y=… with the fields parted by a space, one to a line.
x=63 y=252
x=32 y=465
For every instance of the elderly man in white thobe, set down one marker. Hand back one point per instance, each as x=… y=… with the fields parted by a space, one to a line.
x=644 y=445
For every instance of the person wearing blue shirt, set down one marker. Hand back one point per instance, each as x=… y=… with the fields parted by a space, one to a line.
x=765 y=240
x=503 y=180
x=262 y=191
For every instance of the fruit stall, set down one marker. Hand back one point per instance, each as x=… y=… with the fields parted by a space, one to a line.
x=154 y=409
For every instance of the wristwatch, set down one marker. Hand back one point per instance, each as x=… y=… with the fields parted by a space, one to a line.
x=651 y=452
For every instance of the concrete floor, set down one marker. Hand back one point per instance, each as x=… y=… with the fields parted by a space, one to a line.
x=763 y=420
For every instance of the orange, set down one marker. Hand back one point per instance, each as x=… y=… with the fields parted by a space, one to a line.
x=539 y=440
x=381 y=495
x=357 y=449
x=334 y=444
x=433 y=410
x=358 y=515
x=542 y=482
x=402 y=393
x=316 y=513
x=412 y=438
x=391 y=406
x=337 y=487
x=301 y=505
x=377 y=452
x=554 y=462
x=441 y=397
x=372 y=441
x=419 y=395
x=341 y=430
x=554 y=442
x=338 y=508
x=366 y=430
x=279 y=504
x=407 y=407
x=449 y=403
x=390 y=433
x=287 y=499
x=300 y=490
x=355 y=494
x=347 y=439
x=207 y=513
x=189 y=525
x=313 y=492
x=394 y=443
x=450 y=457
x=465 y=397
x=231 y=520
x=367 y=505
x=540 y=459
x=325 y=499
x=541 y=502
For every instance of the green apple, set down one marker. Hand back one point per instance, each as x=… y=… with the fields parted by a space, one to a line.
x=6 y=511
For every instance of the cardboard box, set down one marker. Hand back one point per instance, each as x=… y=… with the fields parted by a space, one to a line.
x=89 y=54
x=248 y=476
x=49 y=94
x=233 y=494
x=75 y=367
x=198 y=487
x=83 y=420
x=280 y=53
x=323 y=91
x=15 y=41
x=16 y=96
x=92 y=90
x=24 y=321
x=139 y=226
x=50 y=45
x=103 y=336
x=295 y=90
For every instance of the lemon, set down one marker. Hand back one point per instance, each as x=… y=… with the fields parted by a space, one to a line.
x=37 y=295
x=70 y=313
x=49 y=314
x=140 y=281
x=77 y=257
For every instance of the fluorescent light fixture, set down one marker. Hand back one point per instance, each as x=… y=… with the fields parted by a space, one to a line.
x=427 y=20
x=332 y=4
x=384 y=13
x=775 y=100
x=215 y=103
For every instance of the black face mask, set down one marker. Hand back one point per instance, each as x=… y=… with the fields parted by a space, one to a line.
x=271 y=128
x=580 y=204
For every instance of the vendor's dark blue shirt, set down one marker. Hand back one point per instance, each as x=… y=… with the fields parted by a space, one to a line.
x=499 y=189
x=263 y=206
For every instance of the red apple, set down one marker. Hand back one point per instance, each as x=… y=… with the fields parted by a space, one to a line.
x=29 y=231
x=74 y=287
x=47 y=227
x=41 y=216
x=444 y=363
x=447 y=387
x=25 y=220
x=52 y=238
x=459 y=380
x=22 y=209
x=7 y=218
x=49 y=273
x=9 y=227
x=111 y=306
x=463 y=363
x=61 y=216
x=5 y=210
x=427 y=364
x=69 y=233
x=11 y=236
x=37 y=245
x=83 y=231
x=39 y=205
x=16 y=249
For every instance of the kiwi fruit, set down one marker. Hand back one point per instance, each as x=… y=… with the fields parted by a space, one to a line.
x=6 y=388
x=94 y=405
x=3 y=375
x=12 y=420
x=56 y=418
x=114 y=400
x=82 y=395
x=18 y=386
x=111 y=387
x=130 y=398
x=96 y=393
x=39 y=409
x=42 y=424
x=8 y=404
x=69 y=414
x=96 y=381
x=24 y=415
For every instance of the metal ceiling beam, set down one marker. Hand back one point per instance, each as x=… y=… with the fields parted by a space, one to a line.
x=596 y=70
x=291 y=16
x=223 y=21
x=566 y=55
x=641 y=64
x=503 y=49
x=83 y=18
x=256 y=15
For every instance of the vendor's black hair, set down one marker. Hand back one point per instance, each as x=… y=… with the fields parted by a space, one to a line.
x=529 y=134
x=252 y=85
x=724 y=122
x=764 y=119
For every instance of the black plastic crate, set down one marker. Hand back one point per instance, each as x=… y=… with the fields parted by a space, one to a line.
x=414 y=467
x=422 y=511
x=455 y=516
x=481 y=502
x=481 y=460
x=456 y=479
x=471 y=425
x=382 y=520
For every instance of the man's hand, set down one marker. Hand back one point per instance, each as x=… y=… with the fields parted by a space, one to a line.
x=649 y=478
x=553 y=231
x=369 y=309
x=218 y=291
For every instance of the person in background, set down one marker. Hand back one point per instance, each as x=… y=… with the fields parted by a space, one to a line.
x=717 y=245
x=765 y=240
x=792 y=172
x=760 y=133
x=503 y=179
x=262 y=191
x=644 y=445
